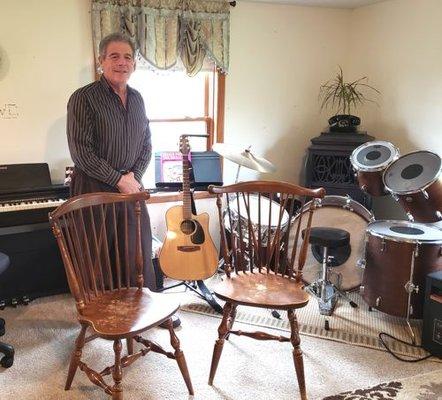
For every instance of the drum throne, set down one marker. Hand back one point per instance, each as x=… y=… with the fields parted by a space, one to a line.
x=328 y=244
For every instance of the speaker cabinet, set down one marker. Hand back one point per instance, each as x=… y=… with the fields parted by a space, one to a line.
x=432 y=325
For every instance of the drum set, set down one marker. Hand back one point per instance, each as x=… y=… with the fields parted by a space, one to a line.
x=386 y=260
x=399 y=254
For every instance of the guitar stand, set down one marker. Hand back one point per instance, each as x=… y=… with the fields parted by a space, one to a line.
x=198 y=287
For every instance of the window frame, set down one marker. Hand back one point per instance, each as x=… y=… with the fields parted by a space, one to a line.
x=214 y=89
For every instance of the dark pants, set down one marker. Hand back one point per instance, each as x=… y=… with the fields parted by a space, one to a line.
x=81 y=184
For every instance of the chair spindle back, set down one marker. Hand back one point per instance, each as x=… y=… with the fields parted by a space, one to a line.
x=258 y=228
x=99 y=236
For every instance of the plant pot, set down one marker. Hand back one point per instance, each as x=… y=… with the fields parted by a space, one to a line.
x=344 y=123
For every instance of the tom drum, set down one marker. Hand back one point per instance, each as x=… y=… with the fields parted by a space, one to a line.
x=370 y=161
x=415 y=180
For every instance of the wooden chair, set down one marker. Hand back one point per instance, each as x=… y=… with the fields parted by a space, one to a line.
x=260 y=252
x=99 y=236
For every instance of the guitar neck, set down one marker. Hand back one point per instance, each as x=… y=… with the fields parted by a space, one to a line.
x=187 y=203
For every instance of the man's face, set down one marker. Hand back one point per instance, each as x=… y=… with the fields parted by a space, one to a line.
x=118 y=63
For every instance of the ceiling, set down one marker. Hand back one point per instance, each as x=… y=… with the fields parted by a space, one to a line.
x=322 y=3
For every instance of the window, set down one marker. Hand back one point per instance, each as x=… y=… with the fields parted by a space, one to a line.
x=177 y=104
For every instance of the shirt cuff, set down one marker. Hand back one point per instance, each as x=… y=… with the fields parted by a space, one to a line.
x=113 y=178
x=138 y=175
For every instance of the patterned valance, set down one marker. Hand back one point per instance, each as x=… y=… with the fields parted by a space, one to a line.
x=166 y=30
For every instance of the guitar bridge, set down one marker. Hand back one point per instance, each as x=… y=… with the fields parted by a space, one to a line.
x=188 y=249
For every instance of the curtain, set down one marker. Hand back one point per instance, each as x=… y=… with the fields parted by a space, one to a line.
x=168 y=33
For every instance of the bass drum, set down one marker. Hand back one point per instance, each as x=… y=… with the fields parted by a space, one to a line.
x=349 y=215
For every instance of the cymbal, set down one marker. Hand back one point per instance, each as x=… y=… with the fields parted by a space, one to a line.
x=244 y=157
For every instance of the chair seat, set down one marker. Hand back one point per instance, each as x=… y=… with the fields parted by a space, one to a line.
x=262 y=290
x=328 y=237
x=127 y=312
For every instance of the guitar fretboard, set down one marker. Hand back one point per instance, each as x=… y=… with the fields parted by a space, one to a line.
x=187 y=204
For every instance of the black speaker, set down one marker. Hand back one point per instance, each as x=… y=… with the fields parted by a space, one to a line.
x=36 y=268
x=432 y=324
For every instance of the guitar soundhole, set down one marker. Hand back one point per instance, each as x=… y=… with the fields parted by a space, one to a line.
x=187 y=226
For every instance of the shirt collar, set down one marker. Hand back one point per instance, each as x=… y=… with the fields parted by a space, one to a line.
x=107 y=85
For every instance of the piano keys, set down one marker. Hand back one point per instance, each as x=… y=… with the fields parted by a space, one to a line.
x=27 y=195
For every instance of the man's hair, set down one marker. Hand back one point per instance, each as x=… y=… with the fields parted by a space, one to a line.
x=115 y=37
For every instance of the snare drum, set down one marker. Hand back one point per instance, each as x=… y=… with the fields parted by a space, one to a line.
x=268 y=207
x=344 y=213
x=398 y=256
x=369 y=161
x=415 y=180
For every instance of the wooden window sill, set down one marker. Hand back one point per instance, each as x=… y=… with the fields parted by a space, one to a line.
x=167 y=197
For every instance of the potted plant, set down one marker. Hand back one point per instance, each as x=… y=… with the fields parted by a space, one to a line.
x=344 y=97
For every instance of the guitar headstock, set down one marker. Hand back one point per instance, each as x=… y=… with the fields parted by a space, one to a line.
x=184 y=145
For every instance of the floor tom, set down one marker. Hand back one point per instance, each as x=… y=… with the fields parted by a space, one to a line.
x=398 y=256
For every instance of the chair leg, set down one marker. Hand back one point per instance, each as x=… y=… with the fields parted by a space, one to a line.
x=297 y=353
x=75 y=357
x=231 y=320
x=179 y=356
x=223 y=331
x=117 y=372
x=130 y=346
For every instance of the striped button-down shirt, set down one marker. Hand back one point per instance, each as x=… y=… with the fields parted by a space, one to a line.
x=104 y=137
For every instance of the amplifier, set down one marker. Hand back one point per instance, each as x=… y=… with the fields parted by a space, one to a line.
x=206 y=170
x=432 y=324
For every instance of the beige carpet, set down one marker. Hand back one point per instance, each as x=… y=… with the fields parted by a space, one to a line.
x=43 y=335
x=356 y=326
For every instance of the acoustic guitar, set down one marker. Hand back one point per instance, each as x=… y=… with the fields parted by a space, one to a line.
x=188 y=252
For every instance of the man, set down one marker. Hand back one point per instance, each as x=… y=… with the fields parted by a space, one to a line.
x=109 y=137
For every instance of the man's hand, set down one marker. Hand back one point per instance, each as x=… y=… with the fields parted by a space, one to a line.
x=128 y=184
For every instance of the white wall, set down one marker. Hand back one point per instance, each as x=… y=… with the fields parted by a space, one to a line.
x=280 y=55
x=47 y=48
x=398 y=44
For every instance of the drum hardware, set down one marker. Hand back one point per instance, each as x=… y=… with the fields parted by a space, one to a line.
x=410 y=287
x=383 y=245
x=361 y=289
x=378 y=301
x=348 y=204
x=325 y=291
x=409 y=216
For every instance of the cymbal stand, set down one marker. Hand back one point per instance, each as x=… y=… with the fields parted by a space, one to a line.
x=239 y=165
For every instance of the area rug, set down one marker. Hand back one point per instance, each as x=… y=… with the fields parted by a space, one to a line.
x=421 y=387
x=357 y=326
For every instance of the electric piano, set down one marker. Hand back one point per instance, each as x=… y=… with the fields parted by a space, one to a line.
x=27 y=195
